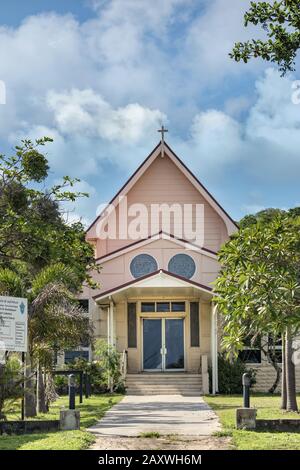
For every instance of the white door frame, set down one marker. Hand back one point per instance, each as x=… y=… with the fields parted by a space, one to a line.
x=163 y=350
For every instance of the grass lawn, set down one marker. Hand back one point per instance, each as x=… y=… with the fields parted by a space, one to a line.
x=267 y=408
x=91 y=410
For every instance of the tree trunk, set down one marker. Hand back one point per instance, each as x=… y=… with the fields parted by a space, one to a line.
x=2 y=391
x=278 y=370
x=42 y=405
x=291 y=402
x=277 y=378
x=283 y=376
x=30 y=401
x=37 y=391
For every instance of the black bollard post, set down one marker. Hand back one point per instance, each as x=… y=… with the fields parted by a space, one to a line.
x=246 y=390
x=85 y=380
x=89 y=385
x=71 y=383
x=80 y=387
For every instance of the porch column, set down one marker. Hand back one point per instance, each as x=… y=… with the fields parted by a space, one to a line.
x=110 y=335
x=110 y=323
x=214 y=349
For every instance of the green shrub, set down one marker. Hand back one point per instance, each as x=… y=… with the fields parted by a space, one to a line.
x=96 y=375
x=103 y=371
x=11 y=383
x=230 y=372
x=95 y=372
x=110 y=363
x=61 y=384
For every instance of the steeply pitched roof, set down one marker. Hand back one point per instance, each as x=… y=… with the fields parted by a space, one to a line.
x=229 y=222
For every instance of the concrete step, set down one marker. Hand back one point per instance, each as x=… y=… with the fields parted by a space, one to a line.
x=170 y=381
x=162 y=391
x=158 y=382
x=164 y=384
x=163 y=376
x=165 y=391
x=157 y=387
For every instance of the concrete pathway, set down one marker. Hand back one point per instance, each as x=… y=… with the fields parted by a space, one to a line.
x=164 y=414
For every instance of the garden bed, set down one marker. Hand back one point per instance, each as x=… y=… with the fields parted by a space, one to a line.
x=27 y=427
x=279 y=425
x=268 y=411
x=91 y=410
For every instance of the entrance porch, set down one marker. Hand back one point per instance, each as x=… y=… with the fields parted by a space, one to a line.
x=165 y=328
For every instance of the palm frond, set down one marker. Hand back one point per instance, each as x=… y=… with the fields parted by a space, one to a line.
x=11 y=283
x=56 y=273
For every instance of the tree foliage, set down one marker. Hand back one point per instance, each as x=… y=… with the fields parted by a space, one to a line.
x=280 y=20
x=33 y=229
x=259 y=284
x=55 y=317
x=42 y=257
x=258 y=290
x=264 y=216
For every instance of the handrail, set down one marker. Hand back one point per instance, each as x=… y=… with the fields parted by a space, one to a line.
x=123 y=365
x=204 y=374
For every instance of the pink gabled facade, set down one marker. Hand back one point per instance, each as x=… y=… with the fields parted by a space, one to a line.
x=158 y=280
x=155 y=300
x=115 y=269
x=165 y=180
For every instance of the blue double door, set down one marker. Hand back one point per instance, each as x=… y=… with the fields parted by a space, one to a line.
x=163 y=344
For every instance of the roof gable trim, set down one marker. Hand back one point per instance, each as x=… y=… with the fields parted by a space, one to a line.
x=159 y=236
x=137 y=282
x=231 y=225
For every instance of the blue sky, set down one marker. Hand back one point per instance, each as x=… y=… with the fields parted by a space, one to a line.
x=100 y=76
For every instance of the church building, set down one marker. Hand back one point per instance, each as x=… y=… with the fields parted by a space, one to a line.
x=157 y=243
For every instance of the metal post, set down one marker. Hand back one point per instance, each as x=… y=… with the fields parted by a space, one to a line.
x=85 y=376
x=89 y=385
x=23 y=388
x=246 y=390
x=71 y=383
x=80 y=387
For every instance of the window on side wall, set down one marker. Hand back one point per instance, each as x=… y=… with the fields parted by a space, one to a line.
x=71 y=356
x=251 y=352
x=84 y=304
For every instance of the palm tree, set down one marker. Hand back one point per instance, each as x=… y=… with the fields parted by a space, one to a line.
x=54 y=318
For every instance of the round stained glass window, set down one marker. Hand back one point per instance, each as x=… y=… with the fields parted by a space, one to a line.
x=143 y=264
x=182 y=265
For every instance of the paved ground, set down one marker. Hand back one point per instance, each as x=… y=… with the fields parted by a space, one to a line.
x=167 y=415
x=162 y=443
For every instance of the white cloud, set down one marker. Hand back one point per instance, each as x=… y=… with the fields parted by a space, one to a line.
x=100 y=88
x=88 y=113
x=83 y=209
x=218 y=136
x=265 y=146
x=212 y=36
x=237 y=106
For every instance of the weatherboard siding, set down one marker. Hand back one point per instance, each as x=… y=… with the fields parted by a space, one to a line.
x=116 y=272
x=161 y=183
